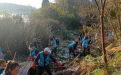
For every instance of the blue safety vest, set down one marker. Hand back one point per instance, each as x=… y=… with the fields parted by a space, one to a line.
x=72 y=45
x=2 y=57
x=36 y=43
x=81 y=39
x=41 y=62
x=85 y=43
x=109 y=34
x=54 y=41
x=33 y=53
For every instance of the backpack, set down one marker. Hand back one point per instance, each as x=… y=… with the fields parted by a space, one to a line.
x=57 y=41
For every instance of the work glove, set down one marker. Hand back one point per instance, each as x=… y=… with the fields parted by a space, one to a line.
x=49 y=45
x=58 y=45
x=31 y=58
x=75 y=49
x=39 y=40
x=58 y=64
x=34 y=64
x=9 y=52
x=78 y=42
x=92 y=47
x=51 y=36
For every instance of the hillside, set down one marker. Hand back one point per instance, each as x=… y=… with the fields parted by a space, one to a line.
x=16 y=9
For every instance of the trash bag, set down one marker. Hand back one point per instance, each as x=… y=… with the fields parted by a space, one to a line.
x=31 y=71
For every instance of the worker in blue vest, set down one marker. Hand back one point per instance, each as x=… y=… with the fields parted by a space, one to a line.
x=53 y=44
x=35 y=42
x=2 y=52
x=43 y=58
x=85 y=44
x=72 y=47
x=33 y=51
x=80 y=39
x=89 y=45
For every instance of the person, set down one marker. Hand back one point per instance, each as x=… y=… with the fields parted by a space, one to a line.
x=89 y=45
x=85 y=44
x=2 y=66
x=33 y=51
x=72 y=47
x=80 y=39
x=35 y=42
x=43 y=58
x=53 y=43
x=1 y=55
x=12 y=68
x=2 y=52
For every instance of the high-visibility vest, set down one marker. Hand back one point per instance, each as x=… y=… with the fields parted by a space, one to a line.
x=41 y=61
x=81 y=39
x=36 y=43
x=54 y=41
x=33 y=53
x=85 y=43
x=2 y=57
x=72 y=45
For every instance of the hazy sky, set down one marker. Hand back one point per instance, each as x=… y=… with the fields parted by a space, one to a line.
x=34 y=3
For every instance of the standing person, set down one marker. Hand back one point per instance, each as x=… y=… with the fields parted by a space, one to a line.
x=53 y=44
x=33 y=51
x=12 y=68
x=80 y=39
x=2 y=66
x=43 y=58
x=85 y=44
x=72 y=47
x=89 y=45
x=2 y=52
x=35 y=42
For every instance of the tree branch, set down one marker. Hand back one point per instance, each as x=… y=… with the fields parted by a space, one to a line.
x=97 y=6
x=104 y=4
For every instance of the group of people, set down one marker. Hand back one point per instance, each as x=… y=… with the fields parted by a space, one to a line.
x=41 y=59
x=84 y=41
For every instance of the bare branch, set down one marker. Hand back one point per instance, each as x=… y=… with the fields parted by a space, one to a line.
x=97 y=6
x=104 y=4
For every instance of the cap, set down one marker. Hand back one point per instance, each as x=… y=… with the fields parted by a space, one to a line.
x=34 y=38
x=47 y=49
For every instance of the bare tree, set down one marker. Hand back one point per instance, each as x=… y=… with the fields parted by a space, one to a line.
x=101 y=13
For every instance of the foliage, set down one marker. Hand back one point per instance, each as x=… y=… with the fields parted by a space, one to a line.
x=45 y=3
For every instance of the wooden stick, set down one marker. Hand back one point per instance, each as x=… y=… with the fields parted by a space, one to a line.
x=63 y=67
x=14 y=56
x=74 y=60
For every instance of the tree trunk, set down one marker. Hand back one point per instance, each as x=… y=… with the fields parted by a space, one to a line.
x=63 y=5
x=102 y=30
x=69 y=6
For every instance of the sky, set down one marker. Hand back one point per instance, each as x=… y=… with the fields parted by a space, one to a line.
x=33 y=3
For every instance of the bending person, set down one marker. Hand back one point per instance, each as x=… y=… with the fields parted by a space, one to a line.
x=43 y=58
x=72 y=47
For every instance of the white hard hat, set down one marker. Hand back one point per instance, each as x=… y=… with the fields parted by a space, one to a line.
x=47 y=49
